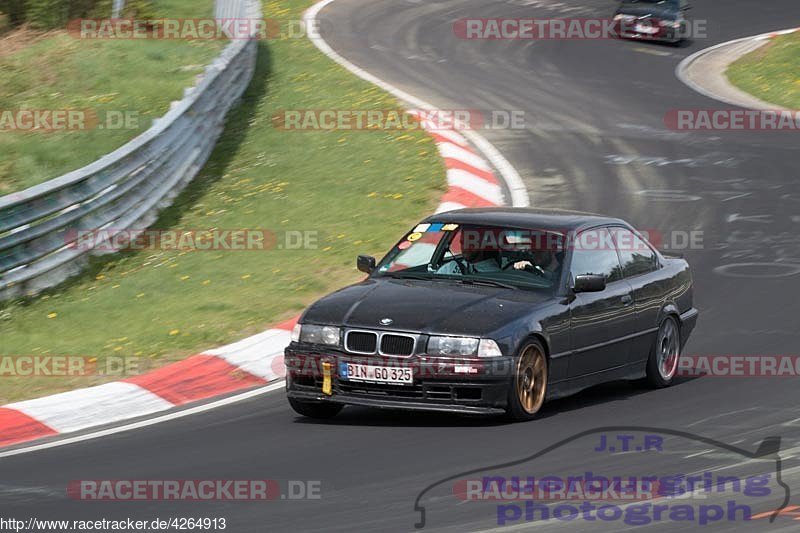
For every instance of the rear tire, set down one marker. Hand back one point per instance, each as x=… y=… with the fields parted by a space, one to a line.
x=319 y=410
x=665 y=354
x=528 y=387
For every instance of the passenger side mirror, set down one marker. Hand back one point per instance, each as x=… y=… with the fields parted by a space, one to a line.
x=365 y=263
x=589 y=283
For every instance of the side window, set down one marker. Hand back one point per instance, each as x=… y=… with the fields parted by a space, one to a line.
x=635 y=254
x=594 y=253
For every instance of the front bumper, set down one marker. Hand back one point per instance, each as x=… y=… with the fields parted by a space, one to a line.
x=481 y=387
x=663 y=33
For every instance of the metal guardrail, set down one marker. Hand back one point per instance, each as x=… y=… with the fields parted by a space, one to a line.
x=123 y=190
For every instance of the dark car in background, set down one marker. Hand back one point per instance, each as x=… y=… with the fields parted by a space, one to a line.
x=656 y=20
x=491 y=311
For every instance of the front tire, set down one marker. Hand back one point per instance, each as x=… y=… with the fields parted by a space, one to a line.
x=528 y=386
x=665 y=354
x=319 y=410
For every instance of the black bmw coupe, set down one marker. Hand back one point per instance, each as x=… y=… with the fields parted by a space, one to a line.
x=657 y=20
x=492 y=311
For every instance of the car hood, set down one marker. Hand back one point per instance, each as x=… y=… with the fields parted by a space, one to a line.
x=638 y=10
x=438 y=307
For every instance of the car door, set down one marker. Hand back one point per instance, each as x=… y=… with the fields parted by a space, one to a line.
x=600 y=322
x=640 y=268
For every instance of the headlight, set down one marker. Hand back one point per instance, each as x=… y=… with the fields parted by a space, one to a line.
x=452 y=346
x=316 y=334
x=463 y=346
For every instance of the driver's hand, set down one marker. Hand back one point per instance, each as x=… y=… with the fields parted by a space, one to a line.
x=521 y=265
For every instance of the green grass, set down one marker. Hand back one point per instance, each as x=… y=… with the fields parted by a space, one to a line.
x=772 y=72
x=64 y=72
x=361 y=190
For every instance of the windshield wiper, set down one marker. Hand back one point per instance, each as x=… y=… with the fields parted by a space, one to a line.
x=400 y=275
x=488 y=282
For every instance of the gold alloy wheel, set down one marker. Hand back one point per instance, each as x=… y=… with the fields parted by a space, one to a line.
x=531 y=379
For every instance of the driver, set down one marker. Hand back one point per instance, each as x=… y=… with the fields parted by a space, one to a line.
x=545 y=261
x=476 y=261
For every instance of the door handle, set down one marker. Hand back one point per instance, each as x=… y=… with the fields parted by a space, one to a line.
x=627 y=300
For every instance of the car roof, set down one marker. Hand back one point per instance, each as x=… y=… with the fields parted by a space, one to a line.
x=558 y=220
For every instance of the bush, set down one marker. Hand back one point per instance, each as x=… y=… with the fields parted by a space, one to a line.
x=134 y=9
x=15 y=9
x=55 y=14
x=47 y=14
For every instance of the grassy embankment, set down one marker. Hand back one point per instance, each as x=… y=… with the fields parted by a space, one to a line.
x=772 y=72
x=359 y=190
x=57 y=71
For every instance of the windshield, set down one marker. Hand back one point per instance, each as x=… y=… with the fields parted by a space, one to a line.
x=504 y=257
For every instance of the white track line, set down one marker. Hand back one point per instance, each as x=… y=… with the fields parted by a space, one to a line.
x=150 y=422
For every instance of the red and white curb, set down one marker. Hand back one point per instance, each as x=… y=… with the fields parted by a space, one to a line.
x=774 y=34
x=257 y=360
x=248 y=363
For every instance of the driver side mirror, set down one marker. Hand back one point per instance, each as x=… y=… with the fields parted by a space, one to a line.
x=589 y=283
x=365 y=263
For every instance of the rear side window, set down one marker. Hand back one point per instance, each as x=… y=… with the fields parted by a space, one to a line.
x=635 y=255
x=594 y=253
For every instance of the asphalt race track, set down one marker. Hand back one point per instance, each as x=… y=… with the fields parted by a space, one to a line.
x=594 y=140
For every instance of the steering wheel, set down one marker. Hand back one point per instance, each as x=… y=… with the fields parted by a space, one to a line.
x=535 y=269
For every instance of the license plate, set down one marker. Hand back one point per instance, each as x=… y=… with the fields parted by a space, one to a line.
x=644 y=28
x=376 y=374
